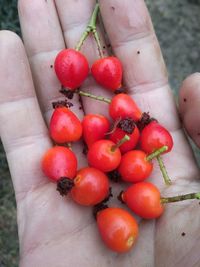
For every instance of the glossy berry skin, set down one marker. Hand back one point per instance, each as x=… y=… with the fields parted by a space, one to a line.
x=95 y=127
x=155 y=136
x=91 y=186
x=101 y=156
x=122 y=106
x=134 y=167
x=107 y=72
x=65 y=126
x=59 y=162
x=71 y=68
x=144 y=200
x=118 y=134
x=118 y=229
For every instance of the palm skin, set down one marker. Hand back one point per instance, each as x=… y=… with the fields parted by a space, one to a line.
x=53 y=231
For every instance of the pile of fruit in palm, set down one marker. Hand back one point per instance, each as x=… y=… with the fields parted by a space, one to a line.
x=123 y=147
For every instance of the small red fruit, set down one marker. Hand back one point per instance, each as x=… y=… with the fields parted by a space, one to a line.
x=144 y=200
x=134 y=166
x=119 y=133
x=118 y=229
x=123 y=106
x=95 y=127
x=65 y=126
x=104 y=155
x=71 y=68
x=108 y=72
x=155 y=136
x=59 y=162
x=91 y=186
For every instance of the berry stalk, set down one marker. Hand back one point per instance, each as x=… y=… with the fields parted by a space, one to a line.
x=91 y=27
x=164 y=171
x=180 y=198
x=121 y=142
x=99 y=98
x=156 y=153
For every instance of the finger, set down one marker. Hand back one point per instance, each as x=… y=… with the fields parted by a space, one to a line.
x=43 y=39
x=74 y=17
x=22 y=129
x=189 y=100
x=133 y=40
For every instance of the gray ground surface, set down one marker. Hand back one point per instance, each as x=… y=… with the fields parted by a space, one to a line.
x=177 y=23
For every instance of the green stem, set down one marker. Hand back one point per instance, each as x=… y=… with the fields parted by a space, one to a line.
x=97 y=39
x=91 y=27
x=120 y=142
x=99 y=98
x=156 y=153
x=180 y=198
x=163 y=170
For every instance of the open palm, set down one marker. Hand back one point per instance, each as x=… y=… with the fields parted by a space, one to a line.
x=53 y=231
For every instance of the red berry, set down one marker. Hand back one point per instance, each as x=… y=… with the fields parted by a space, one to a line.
x=118 y=229
x=118 y=134
x=108 y=72
x=134 y=167
x=65 y=126
x=123 y=106
x=91 y=186
x=95 y=127
x=59 y=162
x=144 y=200
x=102 y=156
x=71 y=68
x=155 y=136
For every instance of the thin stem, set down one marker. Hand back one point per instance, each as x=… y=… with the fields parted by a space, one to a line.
x=91 y=27
x=97 y=39
x=93 y=20
x=180 y=198
x=120 y=142
x=99 y=98
x=156 y=153
x=164 y=171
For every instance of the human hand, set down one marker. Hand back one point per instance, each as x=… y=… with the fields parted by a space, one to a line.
x=53 y=231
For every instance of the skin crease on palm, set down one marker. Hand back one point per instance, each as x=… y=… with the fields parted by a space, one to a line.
x=53 y=231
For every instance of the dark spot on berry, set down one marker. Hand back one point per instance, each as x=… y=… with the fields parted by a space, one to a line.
x=113 y=8
x=184 y=99
x=62 y=103
x=183 y=234
x=51 y=66
x=127 y=125
x=138 y=52
x=97 y=208
x=104 y=47
x=108 y=45
x=114 y=176
x=144 y=121
x=80 y=108
x=64 y=185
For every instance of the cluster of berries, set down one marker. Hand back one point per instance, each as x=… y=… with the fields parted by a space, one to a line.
x=125 y=152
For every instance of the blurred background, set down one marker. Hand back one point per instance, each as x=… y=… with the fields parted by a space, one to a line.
x=177 y=24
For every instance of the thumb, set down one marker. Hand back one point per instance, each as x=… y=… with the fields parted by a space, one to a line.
x=189 y=106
